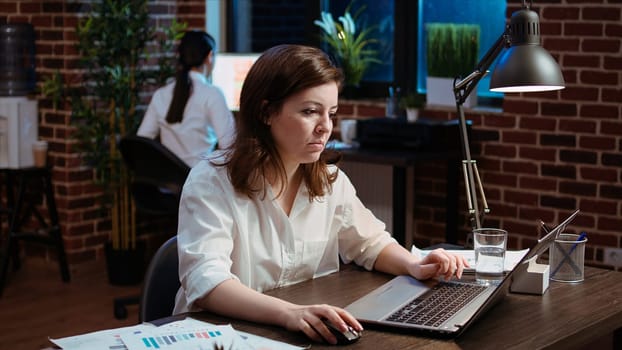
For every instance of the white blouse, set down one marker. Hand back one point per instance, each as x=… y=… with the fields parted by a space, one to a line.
x=207 y=121
x=225 y=235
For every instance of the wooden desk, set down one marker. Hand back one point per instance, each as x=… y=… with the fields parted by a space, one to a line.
x=402 y=163
x=568 y=316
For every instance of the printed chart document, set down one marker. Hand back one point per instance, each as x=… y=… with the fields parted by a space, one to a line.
x=512 y=257
x=184 y=334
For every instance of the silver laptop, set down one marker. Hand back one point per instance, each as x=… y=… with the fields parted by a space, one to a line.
x=442 y=308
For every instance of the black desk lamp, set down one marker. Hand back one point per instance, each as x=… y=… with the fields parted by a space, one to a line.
x=524 y=67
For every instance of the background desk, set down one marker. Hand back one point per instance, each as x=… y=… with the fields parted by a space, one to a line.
x=566 y=317
x=402 y=163
x=35 y=203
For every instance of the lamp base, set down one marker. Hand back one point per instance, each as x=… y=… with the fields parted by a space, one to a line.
x=531 y=278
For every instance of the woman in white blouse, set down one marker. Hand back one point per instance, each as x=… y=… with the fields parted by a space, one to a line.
x=189 y=114
x=271 y=211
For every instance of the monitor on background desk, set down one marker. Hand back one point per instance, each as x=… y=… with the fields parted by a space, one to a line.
x=229 y=72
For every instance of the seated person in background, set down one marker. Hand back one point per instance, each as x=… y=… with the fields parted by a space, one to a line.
x=189 y=114
x=270 y=211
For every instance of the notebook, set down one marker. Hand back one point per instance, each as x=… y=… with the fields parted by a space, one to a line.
x=407 y=304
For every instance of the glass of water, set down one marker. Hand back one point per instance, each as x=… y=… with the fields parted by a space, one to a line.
x=490 y=245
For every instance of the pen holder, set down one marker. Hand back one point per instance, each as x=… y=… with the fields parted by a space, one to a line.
x=530 y=277
x=566 y=257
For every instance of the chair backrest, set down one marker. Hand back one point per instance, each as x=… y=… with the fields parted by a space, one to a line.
x=161 y=283
x=158 y=175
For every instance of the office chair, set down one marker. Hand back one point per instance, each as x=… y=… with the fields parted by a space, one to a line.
x=161 y=283
x=158 y=176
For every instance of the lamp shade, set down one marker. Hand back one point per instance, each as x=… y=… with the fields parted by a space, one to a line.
x=526 y=66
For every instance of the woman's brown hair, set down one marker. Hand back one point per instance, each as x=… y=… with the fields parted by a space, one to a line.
x=278 y=73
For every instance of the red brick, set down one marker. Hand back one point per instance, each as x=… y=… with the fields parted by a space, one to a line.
x=561 y=44
x=538 y=183
x=598 y=78
x=598 y=174
x=558 y=109
x=580 y=93
x=601 y=13
x=565 y=202
x=612 y=62
x=520 y=198
x=550 y=28
x=537 y=153
x=595 y=142
x=500 y=179
x=558 y=140
x=520 y=167
x=559 y=171
x=537 y=123
x=578 y=156
x=600 y=45
x=565 y=13
x=571 y=76
x=609 y=224
x=519 y=106
x=613 y=30
x=500 y=121
x=602 y=239
x=8 y=8
x=579 y=126
x=30 y=7
x=583 y=29
x=577 y=188
x=501 y=151
x=611 y=191
x=601 y=207
x=611 y=128
x=519 y=137
x=591 y=61
x=600 y=111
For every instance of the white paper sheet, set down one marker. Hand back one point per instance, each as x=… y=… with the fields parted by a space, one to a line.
x=512 y=257
x=184 y=334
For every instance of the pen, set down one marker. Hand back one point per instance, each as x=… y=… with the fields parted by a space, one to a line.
x=544 y=227
x=567 y=256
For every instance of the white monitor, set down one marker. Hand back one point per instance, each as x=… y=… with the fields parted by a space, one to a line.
x=229 y=73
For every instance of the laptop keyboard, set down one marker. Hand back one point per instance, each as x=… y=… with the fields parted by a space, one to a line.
x=439 y=304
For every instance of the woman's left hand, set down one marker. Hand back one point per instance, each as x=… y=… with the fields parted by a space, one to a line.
x=439 y=262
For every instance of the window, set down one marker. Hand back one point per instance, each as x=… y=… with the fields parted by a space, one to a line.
x=377 y=13
x=490 y=15
x=255 y=25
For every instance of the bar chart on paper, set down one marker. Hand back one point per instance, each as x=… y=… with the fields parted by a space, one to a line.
x=182 y=336
x=164 y=341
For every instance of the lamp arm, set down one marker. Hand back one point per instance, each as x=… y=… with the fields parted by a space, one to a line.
x=464 y=87
x=462 y=90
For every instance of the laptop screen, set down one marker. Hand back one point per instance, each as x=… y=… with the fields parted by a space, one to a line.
x=229 y=72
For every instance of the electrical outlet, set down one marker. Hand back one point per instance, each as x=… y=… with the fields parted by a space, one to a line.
x=613 y=256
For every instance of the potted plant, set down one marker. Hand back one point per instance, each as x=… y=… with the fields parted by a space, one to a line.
x=112 y=42
x=452 y=51
x=412 y=103
x=348 y=41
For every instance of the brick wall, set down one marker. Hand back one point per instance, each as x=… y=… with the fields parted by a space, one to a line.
x=83 y=228
x=547 y=153
x=543 y=156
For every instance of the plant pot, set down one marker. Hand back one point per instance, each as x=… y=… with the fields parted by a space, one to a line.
x=125 y=267
x=440 y=92
x=412 y=114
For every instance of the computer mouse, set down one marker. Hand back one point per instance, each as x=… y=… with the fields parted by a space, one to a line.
x=343 y=338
